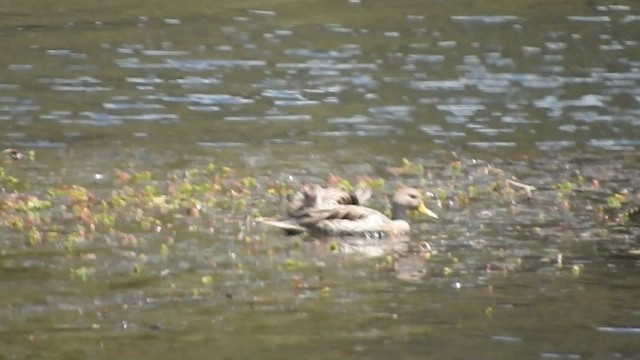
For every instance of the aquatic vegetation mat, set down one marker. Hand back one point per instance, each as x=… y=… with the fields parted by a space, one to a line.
x=590 y=199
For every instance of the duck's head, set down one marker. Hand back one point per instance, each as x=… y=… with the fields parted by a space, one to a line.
x=11 y=154
x=409 y=199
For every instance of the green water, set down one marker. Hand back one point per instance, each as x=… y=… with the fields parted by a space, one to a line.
x=289 y=92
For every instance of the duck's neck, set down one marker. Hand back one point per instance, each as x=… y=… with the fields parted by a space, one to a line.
x=398 y=212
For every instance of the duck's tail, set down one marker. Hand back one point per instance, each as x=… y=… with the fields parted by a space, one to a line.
x=289 y=227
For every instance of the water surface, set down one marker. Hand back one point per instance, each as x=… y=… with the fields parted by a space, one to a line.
x=288 y=92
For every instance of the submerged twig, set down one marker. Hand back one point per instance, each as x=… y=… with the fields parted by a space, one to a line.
x=527 y=188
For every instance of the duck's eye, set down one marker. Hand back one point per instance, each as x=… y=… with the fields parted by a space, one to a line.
x=413 y=196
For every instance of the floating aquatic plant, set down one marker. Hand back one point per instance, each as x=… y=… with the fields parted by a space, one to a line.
x=373 y=183
x=333 y=246
x=615 y=201
x=81 y=273
x=408 y=167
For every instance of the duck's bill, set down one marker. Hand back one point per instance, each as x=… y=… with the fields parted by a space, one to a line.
x=423 y=210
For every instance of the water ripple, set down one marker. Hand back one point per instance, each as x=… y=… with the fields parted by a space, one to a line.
x=134 y=63
x=322 y=64
x=438 y=85
x=356 y=119
x=392 y=112
x=630 y=18
x=461 y=109
x=213 y=64
x=594 y=19
x=491 y=144
x=127 y=106
x=291 y=118
x=20 y=67
x=506 y=338
x=203 y=108
x=425 y=58
x=206 y=99
x=81 y=88
x=590 y=116
x=374 y=130
x=164 y=53
x=197 y=81
x=307 y=53
x=614 y=144
x=619 y=329
x=70 y=81
x=436 y=130
x=295 y=102
x=497 y=19
x=19 y=108
x=284 y=94
x=334 y=133
x=590 y=100
x=66 y=53
x=221 y=144
x=556 y=355
x=146 y=81
x=554 y=145
x=9 y=87
x=262 y=12
x=614 y=8
x=97 y=118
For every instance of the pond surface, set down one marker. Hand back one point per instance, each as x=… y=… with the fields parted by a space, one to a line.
x=155 y=135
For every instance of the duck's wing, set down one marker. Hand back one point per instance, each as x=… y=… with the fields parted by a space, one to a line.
x=338 y=212
x=340 y=219
x=330 y=197
x=344 y=220
x=319 y=196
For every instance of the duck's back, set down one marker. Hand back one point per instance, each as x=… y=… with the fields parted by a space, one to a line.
x=350 y=220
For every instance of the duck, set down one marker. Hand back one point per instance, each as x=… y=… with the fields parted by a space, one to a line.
x=319 y=216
